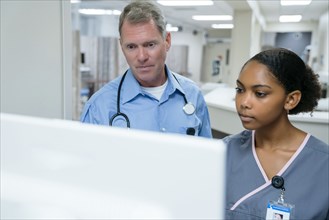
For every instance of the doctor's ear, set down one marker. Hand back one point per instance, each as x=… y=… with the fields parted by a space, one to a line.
x=168 y=41
x=292 y=100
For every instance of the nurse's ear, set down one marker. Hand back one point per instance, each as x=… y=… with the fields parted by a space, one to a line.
x=292 y=100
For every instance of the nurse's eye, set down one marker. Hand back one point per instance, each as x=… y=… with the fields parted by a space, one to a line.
x=238 y=89
x=261 y=94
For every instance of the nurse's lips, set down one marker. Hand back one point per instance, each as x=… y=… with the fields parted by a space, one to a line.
x=246 y=118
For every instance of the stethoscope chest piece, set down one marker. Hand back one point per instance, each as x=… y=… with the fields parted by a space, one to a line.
x=120 y=120
x=189 y=108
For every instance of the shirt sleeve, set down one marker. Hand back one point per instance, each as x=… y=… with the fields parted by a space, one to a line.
x=203 y=114
x=92 y=115
x=86 y=116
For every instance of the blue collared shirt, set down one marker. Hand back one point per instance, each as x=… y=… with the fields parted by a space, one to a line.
x=145 y=111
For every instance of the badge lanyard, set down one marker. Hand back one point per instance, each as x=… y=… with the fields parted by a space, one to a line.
x=279 y=209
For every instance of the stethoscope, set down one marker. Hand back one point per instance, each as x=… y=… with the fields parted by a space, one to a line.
x=188 y=108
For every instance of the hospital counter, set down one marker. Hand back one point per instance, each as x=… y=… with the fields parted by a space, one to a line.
x=224 y=118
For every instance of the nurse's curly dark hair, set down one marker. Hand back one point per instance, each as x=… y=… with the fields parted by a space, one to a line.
x=293 y=74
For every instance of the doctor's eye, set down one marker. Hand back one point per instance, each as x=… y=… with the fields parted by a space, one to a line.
x=151 y=45
x=130 y=46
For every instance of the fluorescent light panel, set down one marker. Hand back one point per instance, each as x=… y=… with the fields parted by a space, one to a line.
x=212 y=17
x=185 y=3
x=91 y=11
x=172 y=29
x=222 y=26
x=295 y=2
x=116 y=12
x=290 y=18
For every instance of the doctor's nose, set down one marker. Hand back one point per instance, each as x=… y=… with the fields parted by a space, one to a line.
x=142 y=55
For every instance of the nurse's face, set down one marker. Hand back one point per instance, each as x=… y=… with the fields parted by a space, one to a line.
x=260 y=98
x=145 y=50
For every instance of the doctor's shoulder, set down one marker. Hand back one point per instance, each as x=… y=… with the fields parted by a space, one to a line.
x=105 y=93
x=100 y=103
x=190 y=87
x=184 y=81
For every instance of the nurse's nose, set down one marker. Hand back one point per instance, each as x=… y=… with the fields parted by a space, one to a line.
x=245 y=101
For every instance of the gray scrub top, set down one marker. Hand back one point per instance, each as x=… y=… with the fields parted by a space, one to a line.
x=305 y=176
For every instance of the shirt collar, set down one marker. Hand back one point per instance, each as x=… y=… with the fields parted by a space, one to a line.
x=173 y=82
x=134 y=89
x=130 y=87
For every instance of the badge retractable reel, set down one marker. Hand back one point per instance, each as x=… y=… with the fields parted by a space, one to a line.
x=279 y=209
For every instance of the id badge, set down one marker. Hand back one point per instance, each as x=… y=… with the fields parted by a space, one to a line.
x=278 y=210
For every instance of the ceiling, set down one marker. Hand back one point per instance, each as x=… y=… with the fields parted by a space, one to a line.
x=268 y=11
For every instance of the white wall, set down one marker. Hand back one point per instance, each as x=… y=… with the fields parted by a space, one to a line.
x=36 y=58
x=102 y=25
x=211 y=51
x=240 y=44
x=323 y=43
x=195 y=45
x=256 y=36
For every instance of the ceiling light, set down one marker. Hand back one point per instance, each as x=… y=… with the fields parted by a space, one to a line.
x=290 y=18
x=90 y=11
x=116 y=12
x=295 y=2
x=185 y=3
x=212 y=17
x=171 y=28
x=75 y=1
x=222 y=26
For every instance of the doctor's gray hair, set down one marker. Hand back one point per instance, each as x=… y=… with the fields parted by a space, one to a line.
x=143 y=11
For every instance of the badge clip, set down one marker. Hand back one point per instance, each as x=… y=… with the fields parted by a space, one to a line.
x=279 y=209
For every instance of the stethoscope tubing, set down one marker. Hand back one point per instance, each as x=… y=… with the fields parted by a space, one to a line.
x=119 y=113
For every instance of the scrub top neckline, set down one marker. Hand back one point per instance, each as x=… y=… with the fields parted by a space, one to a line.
x=286 y=166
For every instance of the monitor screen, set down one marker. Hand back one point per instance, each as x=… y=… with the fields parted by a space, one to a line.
x=53 y=168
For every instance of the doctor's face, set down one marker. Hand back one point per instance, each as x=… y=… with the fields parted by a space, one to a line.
x=145 y=50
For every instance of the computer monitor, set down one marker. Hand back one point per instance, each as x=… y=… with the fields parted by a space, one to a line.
x=59 y=169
